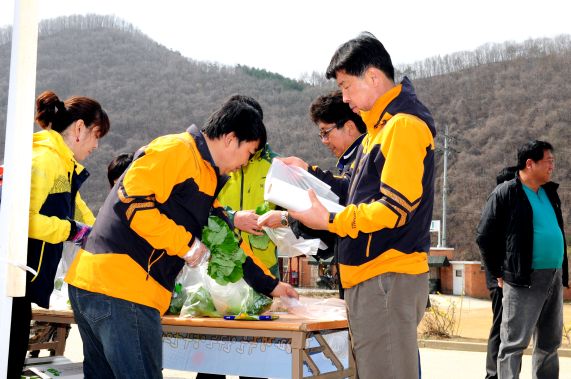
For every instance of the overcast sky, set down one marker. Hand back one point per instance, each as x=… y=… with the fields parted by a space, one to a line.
x=294 y=37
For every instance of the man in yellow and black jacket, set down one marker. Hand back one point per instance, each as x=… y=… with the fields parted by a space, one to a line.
x=149 y=225
x=384 y=229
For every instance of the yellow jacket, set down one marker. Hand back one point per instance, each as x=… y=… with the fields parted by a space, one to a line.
x=54 y=198
x=245 y=191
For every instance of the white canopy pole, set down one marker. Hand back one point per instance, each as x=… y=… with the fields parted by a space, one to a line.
x=17 y=166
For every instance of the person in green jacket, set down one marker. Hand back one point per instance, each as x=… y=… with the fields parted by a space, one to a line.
x=241 y=195
x=244 y=192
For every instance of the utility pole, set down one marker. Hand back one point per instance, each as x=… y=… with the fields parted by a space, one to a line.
x=444 y=185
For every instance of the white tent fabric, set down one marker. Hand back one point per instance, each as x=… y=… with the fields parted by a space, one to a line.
x=17 y=165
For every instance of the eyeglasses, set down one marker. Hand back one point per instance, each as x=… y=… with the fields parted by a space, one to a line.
x=323 y=134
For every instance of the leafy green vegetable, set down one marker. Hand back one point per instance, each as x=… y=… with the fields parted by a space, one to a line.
x=257 y=303
x=199 y=304
x=260 y=242
x=225 y=265
x=263 y=208
x=178 y=298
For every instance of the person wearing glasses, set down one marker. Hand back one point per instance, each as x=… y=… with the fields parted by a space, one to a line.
x=341 y=130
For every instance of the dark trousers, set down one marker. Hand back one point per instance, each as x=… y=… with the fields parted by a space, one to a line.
x=496 y=294
x=19 y=336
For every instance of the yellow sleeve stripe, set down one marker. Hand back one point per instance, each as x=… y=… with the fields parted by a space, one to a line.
x=399 y=199
x=138 y=206
x=123 y=195
x=401 y=215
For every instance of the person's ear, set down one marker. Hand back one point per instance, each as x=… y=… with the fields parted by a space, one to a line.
x=77 y=127
x=371 y=76
x=228 y=138
x=351 y=128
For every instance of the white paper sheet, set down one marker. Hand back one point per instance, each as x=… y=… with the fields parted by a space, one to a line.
x=287 y=187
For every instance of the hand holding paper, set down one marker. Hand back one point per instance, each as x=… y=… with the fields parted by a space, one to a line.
x=287 y=187
x=295 y=161
x=316 y=217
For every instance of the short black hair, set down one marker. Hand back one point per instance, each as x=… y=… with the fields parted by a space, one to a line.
x=505 y=174
x=117 y=166
x=533 y=150
x=238 y=117
x=331 y=109
x=357 y=55
x=248 y=100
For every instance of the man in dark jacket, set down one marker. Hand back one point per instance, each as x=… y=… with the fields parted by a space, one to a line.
x=496 y=295
x=522 y=242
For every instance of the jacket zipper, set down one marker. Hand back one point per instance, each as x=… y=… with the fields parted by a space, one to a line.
x=241 y=188
x=369 y=244
x=151 y=262
x=40 y=262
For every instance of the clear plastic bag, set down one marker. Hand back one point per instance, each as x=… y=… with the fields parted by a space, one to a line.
x=59 y=299
x=289 y=245
x=319 y=309
x=202 y=296
x=287 y=187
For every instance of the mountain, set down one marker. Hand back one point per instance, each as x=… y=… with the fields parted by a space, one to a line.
x=492 y=99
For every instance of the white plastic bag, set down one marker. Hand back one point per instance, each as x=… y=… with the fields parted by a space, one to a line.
x=287 y=187
x=227 y=298
x=291 y=246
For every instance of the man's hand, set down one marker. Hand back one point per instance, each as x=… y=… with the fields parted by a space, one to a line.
x=294 y=161
x=500 y=282
x=316 y=217
x=271 y=219
x=247 y=221
x=197 y=254
x=284 y=289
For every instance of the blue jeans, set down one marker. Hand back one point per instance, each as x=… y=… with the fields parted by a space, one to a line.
x=121 y=339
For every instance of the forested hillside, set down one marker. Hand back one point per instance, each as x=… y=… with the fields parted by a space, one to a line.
x=492 y=100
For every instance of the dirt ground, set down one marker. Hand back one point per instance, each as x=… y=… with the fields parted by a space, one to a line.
x=473 y=317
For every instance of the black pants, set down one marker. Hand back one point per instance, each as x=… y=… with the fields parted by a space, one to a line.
x=19 y=336
x=496 y=294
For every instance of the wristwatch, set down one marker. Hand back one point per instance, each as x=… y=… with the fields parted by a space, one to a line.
x=284 y=220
